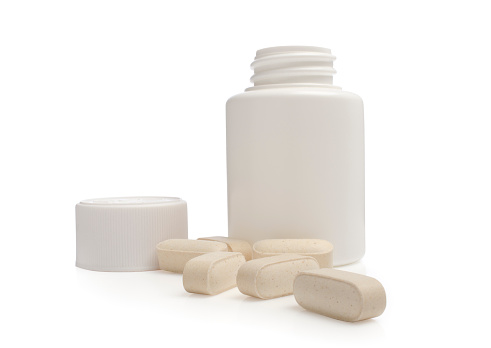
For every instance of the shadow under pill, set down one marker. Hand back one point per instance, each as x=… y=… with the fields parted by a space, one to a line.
x=167 y=273
x=372 y=323
x=251 y=299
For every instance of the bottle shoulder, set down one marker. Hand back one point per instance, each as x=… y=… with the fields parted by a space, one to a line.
x=298 y=92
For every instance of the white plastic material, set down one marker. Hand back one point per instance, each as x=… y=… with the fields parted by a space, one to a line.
x=120 y=234
x=295 y=154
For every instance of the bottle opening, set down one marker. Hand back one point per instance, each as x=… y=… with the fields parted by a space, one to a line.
x=299 y=65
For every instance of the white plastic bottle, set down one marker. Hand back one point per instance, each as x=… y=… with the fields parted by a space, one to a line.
x=295 y=154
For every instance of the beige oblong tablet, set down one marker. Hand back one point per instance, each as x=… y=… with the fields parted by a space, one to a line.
x=319 y=249
x=174 y=253
x=238 y=245
x=272 y=277
x=212 y=273
x=339 y=294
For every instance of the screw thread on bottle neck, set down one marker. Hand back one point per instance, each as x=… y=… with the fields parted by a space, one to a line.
x=297 y=65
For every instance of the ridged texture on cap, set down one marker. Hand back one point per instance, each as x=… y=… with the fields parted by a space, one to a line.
x=120 y=234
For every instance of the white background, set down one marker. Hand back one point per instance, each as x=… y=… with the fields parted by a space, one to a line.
x=123 y=98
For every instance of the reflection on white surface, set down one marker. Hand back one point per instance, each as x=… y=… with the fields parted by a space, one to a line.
x=356 y=267
x=160 y=297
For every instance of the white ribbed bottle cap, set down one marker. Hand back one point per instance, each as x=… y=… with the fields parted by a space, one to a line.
x=120 y=234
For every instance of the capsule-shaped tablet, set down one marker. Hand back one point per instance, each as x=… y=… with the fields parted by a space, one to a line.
x=174 y=253
x=339 y=294
x=236 y=245
x=272 y=277
x=212 y=273
x=319 y=249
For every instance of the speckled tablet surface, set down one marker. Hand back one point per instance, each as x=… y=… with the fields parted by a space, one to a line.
x=272 y=277
x=174 y=253
x=212 y=273
x=339 y=294
x=238 y=245
x=320 y=249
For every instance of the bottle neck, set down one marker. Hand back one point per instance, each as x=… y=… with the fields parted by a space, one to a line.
x=293 y=66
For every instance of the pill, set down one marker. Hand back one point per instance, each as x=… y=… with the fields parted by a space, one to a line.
x=272 y=277
x=339 y=294
x=174 y=253
x=212 y=273
x=238 y=245
x=319 y=249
